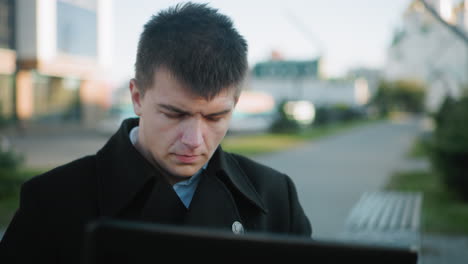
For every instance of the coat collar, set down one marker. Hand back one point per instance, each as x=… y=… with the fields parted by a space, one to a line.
x=226 y=165
x=123 y=172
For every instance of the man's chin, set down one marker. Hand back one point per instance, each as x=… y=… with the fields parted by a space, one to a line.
x=178 y=176
x=185 y=171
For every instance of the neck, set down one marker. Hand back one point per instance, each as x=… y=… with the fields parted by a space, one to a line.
x=170 y=178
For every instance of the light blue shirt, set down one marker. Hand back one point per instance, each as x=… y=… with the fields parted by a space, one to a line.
x=184 y=189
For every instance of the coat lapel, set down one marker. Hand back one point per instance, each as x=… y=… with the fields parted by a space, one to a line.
x=122 y=171
x=163 y=205
x=227 y=169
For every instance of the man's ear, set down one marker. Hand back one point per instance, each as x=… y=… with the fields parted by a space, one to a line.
x=137 y=97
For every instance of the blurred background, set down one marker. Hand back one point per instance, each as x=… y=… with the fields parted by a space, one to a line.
x=71 y=61
x=396 y=72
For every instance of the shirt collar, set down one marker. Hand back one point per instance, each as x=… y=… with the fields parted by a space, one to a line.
x=134 y=135
x=191 y=180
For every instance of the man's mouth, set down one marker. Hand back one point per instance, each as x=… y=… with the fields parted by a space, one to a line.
x=187 y=158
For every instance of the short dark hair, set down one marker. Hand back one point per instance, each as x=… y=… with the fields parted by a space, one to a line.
x=198 y=45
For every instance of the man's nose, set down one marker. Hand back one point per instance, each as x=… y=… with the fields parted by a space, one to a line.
x=192 y=134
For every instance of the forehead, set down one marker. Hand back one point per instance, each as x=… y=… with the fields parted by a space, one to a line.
x=168 y=89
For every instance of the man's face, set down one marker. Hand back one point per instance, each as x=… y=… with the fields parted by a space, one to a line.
x=179 y=130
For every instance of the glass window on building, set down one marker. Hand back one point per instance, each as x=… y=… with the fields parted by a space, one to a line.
x=56 y=98
x=6 y=98
x=77 y=27
x=6 y=24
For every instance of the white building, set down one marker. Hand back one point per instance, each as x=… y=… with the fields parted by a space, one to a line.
x=300 y=80
x=432 y=49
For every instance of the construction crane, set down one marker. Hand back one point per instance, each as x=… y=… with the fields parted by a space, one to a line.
x=305 y=30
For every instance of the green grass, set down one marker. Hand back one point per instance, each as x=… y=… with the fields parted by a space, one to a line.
x=442 y=211
x=419 y=149
x=250 y=145
x=257 y=144
x=7 y=210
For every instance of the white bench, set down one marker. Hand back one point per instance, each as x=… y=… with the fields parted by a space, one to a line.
x=386 y=217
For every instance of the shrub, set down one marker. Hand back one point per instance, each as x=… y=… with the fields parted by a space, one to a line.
x=401 y=95
x=9 y=164
x=449 y=147
x=334 y=113
x=10 y=161
x=283 y=122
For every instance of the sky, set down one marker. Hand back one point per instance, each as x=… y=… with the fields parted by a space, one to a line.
x=346 y=33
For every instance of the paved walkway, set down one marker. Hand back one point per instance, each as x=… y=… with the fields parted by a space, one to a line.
x=440 y=249
x=332 y=173
x=48 y=146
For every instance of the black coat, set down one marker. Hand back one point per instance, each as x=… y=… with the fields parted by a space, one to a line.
x=118 y=182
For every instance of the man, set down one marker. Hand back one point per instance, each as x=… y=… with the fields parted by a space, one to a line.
x=166 y=166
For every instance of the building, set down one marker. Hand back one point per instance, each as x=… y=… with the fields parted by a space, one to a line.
x=432 y=46
x=302 y=80
x=373 y=77
x=7 y=58
x=54 y=59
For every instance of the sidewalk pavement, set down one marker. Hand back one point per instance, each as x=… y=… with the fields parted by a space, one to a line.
x=46 y=146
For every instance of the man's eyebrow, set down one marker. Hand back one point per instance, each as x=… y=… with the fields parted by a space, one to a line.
x=223 y=112
x=174 y=109
x=180 y=111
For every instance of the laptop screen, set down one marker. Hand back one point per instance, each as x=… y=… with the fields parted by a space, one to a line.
x=117 y=241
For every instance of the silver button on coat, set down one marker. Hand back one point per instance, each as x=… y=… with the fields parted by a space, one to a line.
x=237 y=228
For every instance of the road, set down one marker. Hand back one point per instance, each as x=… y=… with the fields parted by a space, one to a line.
x=331 y=173
x=50 y=147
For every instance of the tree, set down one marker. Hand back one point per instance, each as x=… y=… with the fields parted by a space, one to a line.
x=449 y=145
x=400 y=95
